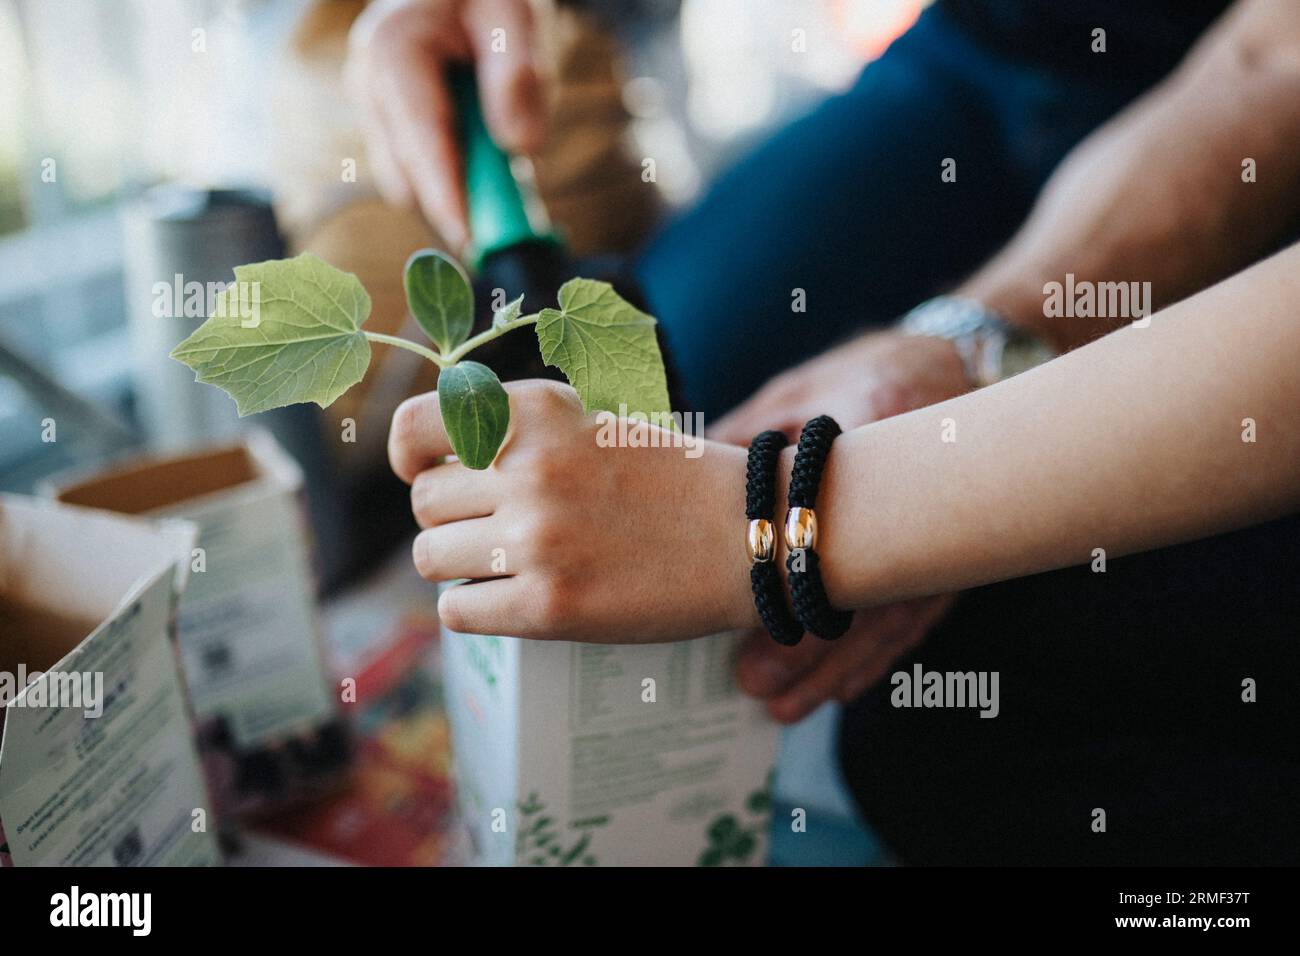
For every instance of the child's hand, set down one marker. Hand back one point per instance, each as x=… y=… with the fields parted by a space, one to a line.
x=569 y=537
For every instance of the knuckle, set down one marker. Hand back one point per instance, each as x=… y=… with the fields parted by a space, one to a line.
x=555 y=604
x=395 y=23
x=543 y=539
x=541 y=469
x=384 y=34
x=547 y=396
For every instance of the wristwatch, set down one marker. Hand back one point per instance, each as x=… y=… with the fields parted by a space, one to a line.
x=991 y=348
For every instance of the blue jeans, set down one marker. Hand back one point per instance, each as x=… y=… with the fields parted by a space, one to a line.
x=848 y=205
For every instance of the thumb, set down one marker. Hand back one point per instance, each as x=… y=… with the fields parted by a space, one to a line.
x=510 y=86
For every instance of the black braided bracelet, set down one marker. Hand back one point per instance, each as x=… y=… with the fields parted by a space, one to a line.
x=811 y=606
x=760 y=504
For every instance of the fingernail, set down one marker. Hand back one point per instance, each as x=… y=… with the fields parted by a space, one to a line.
x=420 y=553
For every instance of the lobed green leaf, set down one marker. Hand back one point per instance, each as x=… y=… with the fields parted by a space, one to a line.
x=606 y=348
x=287 y=331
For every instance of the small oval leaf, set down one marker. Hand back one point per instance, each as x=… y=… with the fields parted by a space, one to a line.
x=439 y=296
x=475 y=411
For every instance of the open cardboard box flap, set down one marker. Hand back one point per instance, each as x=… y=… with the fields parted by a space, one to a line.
x=156 y=484
x=247 y=639
x=65 y=570
x=86 y=603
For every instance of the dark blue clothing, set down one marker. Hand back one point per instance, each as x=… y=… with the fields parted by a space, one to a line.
x=848 y=205
x=1121 y=690
x=1144 y=39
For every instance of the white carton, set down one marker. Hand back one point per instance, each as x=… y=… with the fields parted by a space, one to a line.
x=269 y=728
x=97 y=759
x=596 y=754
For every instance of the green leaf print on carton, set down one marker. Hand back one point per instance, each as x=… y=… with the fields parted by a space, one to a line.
x=485 y=655
x=539 y=843
x=729 y=841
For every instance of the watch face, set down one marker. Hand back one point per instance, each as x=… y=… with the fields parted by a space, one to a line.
x=991 y=348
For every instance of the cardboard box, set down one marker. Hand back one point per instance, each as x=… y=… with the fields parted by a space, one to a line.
x=567 y=754
x=269 y=723
x=97 y=760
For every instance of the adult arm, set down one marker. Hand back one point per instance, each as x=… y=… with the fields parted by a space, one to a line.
x=1159 y=193
x=1154 y=195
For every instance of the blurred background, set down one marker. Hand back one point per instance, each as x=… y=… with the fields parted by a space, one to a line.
x=142 y=140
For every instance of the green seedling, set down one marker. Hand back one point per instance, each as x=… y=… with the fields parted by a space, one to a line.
x=308 y=345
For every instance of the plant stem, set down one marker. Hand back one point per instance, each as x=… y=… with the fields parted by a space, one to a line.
x=487 y=335
x=410 y=346
x=460 y=351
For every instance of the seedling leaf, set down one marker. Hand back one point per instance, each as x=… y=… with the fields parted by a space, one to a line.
x=475 y=411
x=301 y=343
x=606 y=349
x=439 y=296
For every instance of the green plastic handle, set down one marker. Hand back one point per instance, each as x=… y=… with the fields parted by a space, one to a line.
x=497 y=216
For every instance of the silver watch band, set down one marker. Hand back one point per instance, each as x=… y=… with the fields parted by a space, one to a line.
x=980 y=336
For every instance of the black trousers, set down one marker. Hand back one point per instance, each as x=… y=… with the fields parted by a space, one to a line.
x=1120 y=691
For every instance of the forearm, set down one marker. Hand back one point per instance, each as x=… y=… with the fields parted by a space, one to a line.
x=1157 y=194
x=1130 y=443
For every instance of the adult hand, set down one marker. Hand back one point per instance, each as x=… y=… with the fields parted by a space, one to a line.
x=871 y=377
x=875 y=376
x=795 y=681
x=568 y=537
x=398 y=55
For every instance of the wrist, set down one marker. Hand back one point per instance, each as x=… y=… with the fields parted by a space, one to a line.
x=990 y=348
x=728 y=570
x=1017 y=300
x=784 y=466
x=810 y=612
x=836 y=566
